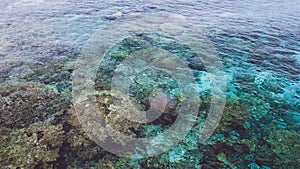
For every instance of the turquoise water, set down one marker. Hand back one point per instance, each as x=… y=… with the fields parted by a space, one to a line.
x=257 y=43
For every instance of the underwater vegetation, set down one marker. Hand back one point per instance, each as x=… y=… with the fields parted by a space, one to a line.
x=40 y=129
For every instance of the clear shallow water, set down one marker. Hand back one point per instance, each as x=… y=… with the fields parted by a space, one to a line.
x=257 y=41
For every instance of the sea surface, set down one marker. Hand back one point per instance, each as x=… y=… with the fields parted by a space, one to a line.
x=257 y=42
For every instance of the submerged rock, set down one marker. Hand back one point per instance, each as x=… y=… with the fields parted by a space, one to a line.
x=113 y=16
x=196 y=63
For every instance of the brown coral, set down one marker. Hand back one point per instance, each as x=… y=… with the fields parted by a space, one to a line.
x=38 y=145
x=24 y=103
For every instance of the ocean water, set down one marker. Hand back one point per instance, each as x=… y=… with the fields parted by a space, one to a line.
x=256 y=42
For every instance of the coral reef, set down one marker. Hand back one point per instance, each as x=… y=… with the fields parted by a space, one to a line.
x=115 y=114
x=40 y=128
x=26 y=103
x=38 y=146
x=286 y=145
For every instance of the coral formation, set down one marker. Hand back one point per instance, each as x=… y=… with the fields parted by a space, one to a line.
x=25 y=103
x=37 y=146
x=40 y=129
x=286 y=145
